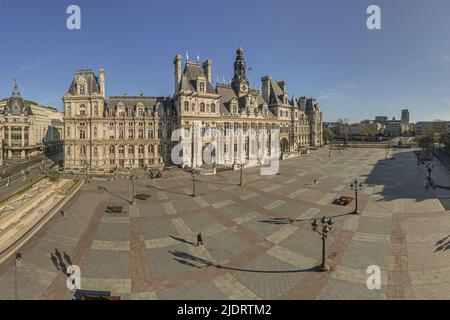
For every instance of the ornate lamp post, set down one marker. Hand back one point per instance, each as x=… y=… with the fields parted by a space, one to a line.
x=241 y=180
x=356 y=187
x=194 y=173
x=17 y=264
x=131 y=178
x=325 y=225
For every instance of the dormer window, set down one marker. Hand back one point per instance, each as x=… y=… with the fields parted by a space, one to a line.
x=82 y=88
x=202 y=87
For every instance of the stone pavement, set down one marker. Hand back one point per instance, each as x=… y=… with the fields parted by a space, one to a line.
x=258 y=239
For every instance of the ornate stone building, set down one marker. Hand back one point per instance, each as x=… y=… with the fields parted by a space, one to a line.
x=28 y=128
x=130 y=132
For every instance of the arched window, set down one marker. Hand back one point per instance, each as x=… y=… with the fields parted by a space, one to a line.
x=82 y=88
x=186 y=106
x=130 y=133
x=141 y=149
x=112 y=150
x=202 y=87
x=151 y=149
x=131 y=149
x=159 y=149
x=202 y=107
x=121 y=149
x=213 y=107
x=83 y=150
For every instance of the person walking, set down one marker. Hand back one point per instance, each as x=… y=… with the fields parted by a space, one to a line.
x=199 y=239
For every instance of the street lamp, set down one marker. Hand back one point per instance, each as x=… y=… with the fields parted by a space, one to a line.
x=429 y=168
x=17 y=264
x=356 y=186
x=325 y=224
x=131 y=177
x=194 y=173
x=241 y=180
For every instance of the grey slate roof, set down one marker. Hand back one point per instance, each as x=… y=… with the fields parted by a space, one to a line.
x=227 y=93
x=92 y=82
x=192 y=71
x=149 y=103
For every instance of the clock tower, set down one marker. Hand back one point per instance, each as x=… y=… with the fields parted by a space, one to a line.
x=240 y=83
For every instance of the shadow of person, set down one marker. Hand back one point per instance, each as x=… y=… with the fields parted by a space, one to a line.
x=67 y=258
x=183 y=240
x=55 y=261
x=58 y=254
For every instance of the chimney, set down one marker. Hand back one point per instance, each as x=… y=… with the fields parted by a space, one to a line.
x=207 y=69
x=266 y=88
x=102 y=82
x=282 y=85
x=177 y=70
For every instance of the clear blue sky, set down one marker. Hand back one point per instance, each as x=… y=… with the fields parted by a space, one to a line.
x=322 y=48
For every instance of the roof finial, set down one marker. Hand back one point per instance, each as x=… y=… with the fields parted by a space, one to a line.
x=198 y=56
x=187 y=55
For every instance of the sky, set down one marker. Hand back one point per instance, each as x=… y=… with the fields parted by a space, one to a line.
x=321 y=48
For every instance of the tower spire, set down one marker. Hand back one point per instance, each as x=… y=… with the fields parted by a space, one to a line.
x=240 y=82
x=16 y=92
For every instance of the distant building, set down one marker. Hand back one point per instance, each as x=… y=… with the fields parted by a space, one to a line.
x=405 y=116
x=395 y=128
x=435 y=126
x=381 y=119
x=28 y=128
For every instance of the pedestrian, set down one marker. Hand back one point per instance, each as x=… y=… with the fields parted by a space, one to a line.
x=315 y=181
x=199 y=239
x=63 y=214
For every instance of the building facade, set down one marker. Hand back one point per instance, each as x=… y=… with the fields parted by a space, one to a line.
x=130 y=132
x=27 y=128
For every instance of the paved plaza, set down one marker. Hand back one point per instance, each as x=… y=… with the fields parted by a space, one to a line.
x=259 y=243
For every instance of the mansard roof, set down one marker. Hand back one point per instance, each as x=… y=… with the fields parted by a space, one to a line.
x=91 y=80
x=148 y=103
x=227 y=94
x=192 y=71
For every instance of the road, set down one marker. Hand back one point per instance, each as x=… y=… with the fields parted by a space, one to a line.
x=17 y=176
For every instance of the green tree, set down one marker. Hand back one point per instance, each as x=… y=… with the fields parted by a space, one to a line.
x=328 y=135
